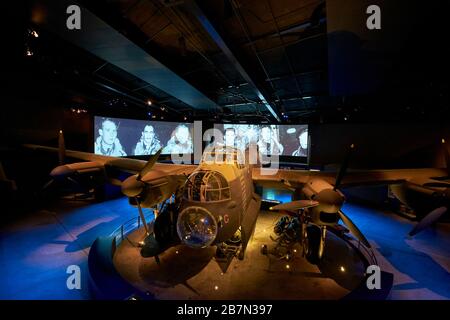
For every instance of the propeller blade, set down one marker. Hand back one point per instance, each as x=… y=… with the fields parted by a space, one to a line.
x=295 y=205
x=47 y=185
x=354 y=229
x=78 y=185
x=149 y=165
x=132 y=187
x=115 y=182
x=343 y=169
x=75 y=182
x=61 y=148
x=428 y=220
x=141 y=214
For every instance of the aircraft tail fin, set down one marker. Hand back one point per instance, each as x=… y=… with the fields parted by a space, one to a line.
x=61 y=148
x=343 y=169
x=446 y=156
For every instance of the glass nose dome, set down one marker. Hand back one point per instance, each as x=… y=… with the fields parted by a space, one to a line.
x=197 y=227
x=205 y=186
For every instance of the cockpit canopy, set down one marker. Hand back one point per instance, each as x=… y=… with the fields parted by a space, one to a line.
x=206 y=186
x=224 y=155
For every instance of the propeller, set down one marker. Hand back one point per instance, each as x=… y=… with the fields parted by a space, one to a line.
x=149 y=165
x=354 y=229
x=295 y=205
x=343 y=169
x=141 y=214
x=134 y=185
x=428 y=220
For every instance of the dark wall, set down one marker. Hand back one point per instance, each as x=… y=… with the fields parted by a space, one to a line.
x=40 y=125
x=379 y=145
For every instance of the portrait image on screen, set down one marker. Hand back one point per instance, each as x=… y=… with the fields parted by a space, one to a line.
x=282 y=140
x=107 y=141
x=122 y=137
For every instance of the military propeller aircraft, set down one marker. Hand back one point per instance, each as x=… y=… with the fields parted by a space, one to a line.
x=214 y=203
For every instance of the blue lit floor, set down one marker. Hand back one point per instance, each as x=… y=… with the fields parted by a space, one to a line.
x=420 y=265
x=35 y=252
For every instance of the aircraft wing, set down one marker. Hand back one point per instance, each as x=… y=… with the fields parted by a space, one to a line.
x=297 y=178
x=288 y=178
x=96 y=161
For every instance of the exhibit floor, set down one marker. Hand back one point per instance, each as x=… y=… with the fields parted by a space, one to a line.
x=37 y=249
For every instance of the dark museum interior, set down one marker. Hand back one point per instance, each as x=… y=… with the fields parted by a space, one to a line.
x=354 y=99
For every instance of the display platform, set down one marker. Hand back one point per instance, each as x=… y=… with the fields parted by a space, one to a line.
x=187 y=273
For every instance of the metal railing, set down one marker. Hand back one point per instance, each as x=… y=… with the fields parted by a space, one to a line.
x=367 y=252
x=129 y=226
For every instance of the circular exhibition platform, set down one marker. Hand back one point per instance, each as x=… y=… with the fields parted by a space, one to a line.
x=187 y=273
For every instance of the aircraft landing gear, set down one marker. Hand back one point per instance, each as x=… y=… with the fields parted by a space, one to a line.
x=313 y=242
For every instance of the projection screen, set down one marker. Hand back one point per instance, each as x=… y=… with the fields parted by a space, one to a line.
x=125 y=137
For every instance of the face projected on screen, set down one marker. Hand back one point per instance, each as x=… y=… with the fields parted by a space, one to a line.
x=271 y=139
x=149 y=142
x=182 y=134
x=148 y=134
x=266 y=134
x=230 y=137
x=107 y=142
x=268 y=143
x=303 y=139
x=252 y=134
x=302 y=150
x=180 y=141
x=108 y=132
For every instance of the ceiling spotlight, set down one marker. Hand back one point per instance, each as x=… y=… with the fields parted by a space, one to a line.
x=34 y=33
x=149 y=102
x=342 y=269
x=216 y=287
x=28 y=53
x=288 y=266
x=345 y=118
x=185 y=118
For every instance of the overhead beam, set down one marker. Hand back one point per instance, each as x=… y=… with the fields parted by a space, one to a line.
x=105 y=42
x=197 y=12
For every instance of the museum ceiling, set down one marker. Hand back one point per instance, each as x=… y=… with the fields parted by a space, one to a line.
x=252 y=60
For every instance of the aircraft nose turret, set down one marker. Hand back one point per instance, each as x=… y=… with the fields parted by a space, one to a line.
x=132 y=187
